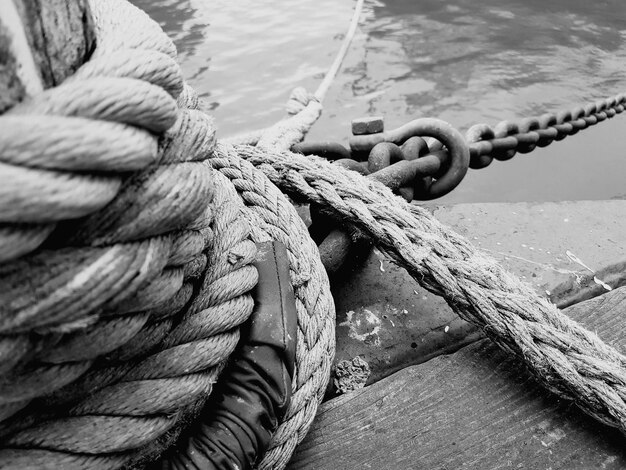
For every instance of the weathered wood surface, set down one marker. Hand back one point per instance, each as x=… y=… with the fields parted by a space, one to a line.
x=41 y=43
x=384 y=317
x=475 y=409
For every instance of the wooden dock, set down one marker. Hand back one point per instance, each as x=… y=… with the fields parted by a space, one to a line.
x=477 y=407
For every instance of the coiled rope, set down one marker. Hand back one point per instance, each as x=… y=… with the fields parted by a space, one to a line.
x=119 y=268
x=127 y=263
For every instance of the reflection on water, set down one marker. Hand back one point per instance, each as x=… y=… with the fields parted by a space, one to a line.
x=463 y=61
x=493 y=59
x=180 y=20
x=245 y=58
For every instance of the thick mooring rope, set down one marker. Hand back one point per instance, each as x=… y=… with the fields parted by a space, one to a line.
x=125 y=274
x=126 y=263
x=272 y=216
x=129 y=399
x=566 y=358
x=107 y=332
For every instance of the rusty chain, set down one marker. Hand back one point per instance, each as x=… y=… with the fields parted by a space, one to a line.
x=402 y=159
x=485 y=144
x=507 y=138
x=417 y=170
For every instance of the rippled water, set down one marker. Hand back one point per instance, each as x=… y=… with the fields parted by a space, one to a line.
x=465 y=61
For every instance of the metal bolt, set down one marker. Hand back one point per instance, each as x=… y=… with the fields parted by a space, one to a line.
x=368 y=125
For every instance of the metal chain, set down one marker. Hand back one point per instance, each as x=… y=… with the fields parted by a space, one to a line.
x=421 y=171
x=402 y=160
x=414 y=170
x=508 y=138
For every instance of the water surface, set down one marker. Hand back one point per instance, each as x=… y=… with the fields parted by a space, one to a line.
x=465 y=61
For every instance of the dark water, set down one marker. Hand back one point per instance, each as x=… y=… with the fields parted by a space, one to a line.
x=465 y=61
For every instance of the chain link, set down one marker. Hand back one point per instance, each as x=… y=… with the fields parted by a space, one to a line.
x=416 y=169
x=412 y=169
x=402 y=160
x=508 y=138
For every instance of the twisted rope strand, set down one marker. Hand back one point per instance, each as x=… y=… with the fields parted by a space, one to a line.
x=138 y=401
x=272 y=216
x=569 y=360
x=71 y=313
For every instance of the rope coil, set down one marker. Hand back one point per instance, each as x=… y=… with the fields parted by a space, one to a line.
x=128 y=262
x=125 y=275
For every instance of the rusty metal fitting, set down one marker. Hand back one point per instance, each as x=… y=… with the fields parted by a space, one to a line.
x=328 y=150
x=368 y=125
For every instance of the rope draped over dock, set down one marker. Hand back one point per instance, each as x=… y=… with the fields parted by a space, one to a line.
x=126 y=237
x=569 y=360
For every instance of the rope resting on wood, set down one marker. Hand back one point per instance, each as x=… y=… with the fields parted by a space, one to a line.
x=127 y=235
x=566 y=358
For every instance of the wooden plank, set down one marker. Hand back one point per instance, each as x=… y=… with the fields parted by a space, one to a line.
x=41 y=43
x=477 y=408
x=384 y=317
